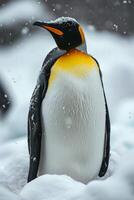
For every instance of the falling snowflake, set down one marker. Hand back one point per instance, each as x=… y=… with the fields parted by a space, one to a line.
x=127 y=1
x=5 y=95
x=25 y=30
x=34 y=159
x=115 y=27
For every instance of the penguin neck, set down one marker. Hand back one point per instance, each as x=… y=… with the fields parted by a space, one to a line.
x=82 y=47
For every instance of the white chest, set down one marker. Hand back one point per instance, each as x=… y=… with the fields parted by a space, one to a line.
x=74 y=120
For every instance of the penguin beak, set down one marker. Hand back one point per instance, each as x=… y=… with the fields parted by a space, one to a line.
x=51 y=27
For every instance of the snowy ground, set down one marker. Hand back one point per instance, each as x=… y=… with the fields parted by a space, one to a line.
x=20 y=66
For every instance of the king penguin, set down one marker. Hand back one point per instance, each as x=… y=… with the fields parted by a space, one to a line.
x=68 y=121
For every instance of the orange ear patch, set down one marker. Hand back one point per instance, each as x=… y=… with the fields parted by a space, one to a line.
x=54 y=30
x=82 y=34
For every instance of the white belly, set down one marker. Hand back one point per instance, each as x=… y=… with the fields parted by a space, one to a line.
x=74 y=120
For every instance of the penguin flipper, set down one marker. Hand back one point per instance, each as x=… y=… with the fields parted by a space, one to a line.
x=34 y=131
x=106 y=154
x=34 y=116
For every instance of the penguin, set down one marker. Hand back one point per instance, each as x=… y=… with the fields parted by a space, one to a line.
x=68 y=120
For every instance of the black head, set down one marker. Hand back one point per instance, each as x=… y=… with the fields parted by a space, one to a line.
x=66 y=31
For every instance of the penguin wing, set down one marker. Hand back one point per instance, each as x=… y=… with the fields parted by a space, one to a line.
x=34 y=116
x=106 y=153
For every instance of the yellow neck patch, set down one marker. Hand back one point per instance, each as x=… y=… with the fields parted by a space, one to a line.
x=75 y=63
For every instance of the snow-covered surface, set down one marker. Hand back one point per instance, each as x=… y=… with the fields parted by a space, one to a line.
x=14 y=164
x=20 y=66
x=119 y=186
x=6 y=194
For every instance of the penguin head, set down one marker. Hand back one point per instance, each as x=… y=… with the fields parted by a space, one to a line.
x=66 y=31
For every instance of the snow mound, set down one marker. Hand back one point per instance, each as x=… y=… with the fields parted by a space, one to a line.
x=119 y=186
x=52 y=187
x=118 y=182
x=14 y=168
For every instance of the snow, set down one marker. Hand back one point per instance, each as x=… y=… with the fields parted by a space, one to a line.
x=115 y=27
x=20 y=66
x=6 y=194
x=118 y=184
x=52 y=187
x=14 y=168
x=60 y=20
x=127 y=1
x=25 y=30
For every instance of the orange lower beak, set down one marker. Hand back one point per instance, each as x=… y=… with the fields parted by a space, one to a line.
x=49 y=27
